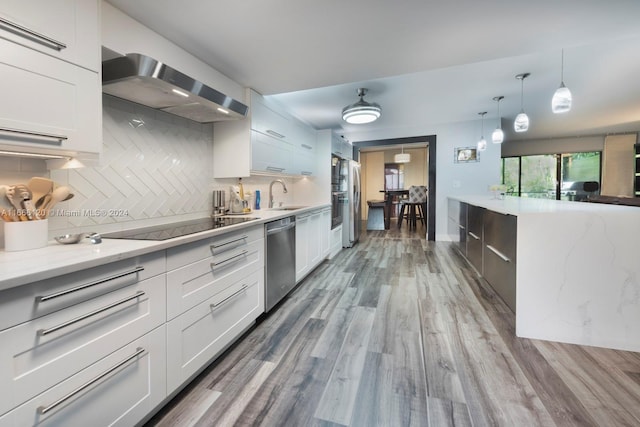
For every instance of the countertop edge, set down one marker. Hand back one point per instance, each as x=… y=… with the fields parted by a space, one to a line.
x=71 y=258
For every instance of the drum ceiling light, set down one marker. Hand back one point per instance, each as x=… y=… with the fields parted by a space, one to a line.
x=362 y=111
x=402 y=157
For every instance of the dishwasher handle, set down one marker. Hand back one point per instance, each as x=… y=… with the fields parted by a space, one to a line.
x=279 y=229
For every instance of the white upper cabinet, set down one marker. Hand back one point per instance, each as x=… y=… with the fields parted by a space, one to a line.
x=65 y=29
x=49 y=77
x=341 y=147
x=270 y=142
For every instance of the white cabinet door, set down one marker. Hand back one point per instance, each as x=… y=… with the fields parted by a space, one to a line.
x=49 y=106
x=267 y=120
x=269 y=154
x=314 y=241
x=302 y=241
x=197 y=336
x=325 y=229
x=39 y=354
x=118 y=390
x=65 y=29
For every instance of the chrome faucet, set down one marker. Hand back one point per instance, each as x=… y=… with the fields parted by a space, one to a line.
x=284 y=187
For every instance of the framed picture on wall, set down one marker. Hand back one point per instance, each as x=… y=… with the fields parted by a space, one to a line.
x=466 y=155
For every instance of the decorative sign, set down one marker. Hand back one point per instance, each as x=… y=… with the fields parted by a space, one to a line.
x=466 y=155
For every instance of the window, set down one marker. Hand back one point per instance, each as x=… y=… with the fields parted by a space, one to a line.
x=551 y=176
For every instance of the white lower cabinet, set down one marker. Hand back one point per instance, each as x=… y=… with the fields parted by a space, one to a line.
x=312 y=234
x=335 y=241
x=118 y=390
x=201 y=333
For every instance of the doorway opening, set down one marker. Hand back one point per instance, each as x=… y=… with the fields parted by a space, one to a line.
x=429 y=164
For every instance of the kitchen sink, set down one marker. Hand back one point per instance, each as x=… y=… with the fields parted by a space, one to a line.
x=288 y=208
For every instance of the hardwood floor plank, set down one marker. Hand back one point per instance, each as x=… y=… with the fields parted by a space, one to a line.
x=337 y=402
x=445 y=413
x=291 y=393
x=409 y=377
x=190 y=409
x=328 y=344
x=373 y=405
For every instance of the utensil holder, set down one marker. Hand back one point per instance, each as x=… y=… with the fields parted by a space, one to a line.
x=25 y=235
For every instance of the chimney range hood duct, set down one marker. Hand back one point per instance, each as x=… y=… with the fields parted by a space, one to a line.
x=141 y=79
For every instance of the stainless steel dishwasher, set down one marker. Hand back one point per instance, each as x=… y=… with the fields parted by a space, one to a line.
x=280 y=260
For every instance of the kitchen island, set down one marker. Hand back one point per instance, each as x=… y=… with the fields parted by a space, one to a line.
x=577 y=276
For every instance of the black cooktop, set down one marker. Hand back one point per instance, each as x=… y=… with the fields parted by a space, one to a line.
x=176 y=229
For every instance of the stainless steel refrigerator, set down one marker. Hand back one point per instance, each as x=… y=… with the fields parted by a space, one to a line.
x=351 y=213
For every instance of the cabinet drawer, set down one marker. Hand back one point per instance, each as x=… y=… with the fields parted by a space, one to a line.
x=500 y=233
x=196 y=282
x=500 y=272
x=187 y=254
x=70 y=119
x=38 y=354
x=64 y=29
x=40 y=298
x=201 y=333
x=119 y=390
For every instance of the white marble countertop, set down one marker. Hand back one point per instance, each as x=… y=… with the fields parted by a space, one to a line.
x=22 y=267
x=521 y=205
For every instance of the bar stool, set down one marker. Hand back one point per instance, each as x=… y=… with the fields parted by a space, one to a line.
x=416 y=206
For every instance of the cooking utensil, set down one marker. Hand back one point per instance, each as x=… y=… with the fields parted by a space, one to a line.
x=24 y=193
x=16 y=201
x=58 y=195
x=39 y=187
x=7 y=211
x=68 y=239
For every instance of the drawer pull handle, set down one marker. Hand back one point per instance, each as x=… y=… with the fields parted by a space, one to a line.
x=215 y=265
x=229 y=242
x=306 y=173
x=308 y=147
x=462 y=227
x=88 y=285
x=43 y=332
x=236 y=293
x=475 y=236
x=274 y=133
x=274 y=169
x=44 y=409
x=30 y=33
x=500 y=254
x=53 y=136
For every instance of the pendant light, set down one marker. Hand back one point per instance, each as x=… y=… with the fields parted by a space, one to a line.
x=561 y=101
x=362 y=111
x=498 y=135
x=402 y=157
x=482 y=143
x=521 y=124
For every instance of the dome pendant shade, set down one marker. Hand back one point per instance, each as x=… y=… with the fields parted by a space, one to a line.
x=561 y=101
x=482 y=145
x=521 y=124
x=362 y=111
x=497 y=137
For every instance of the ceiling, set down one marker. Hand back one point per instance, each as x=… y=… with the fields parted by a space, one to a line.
x=426 y=62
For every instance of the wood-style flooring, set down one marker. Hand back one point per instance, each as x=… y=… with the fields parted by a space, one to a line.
x=398 y=331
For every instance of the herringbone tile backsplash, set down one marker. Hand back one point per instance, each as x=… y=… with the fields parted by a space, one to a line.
x=154 y=165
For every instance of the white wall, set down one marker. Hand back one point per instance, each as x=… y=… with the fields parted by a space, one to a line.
x=451 y=178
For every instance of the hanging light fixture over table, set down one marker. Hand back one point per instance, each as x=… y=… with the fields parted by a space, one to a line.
x=482 y=143
x=498 y=135
x=362 y=111
x=521 y=124
x=561 y=101
x=402 y=157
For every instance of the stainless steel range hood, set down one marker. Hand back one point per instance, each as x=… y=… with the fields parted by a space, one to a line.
x=141 y=79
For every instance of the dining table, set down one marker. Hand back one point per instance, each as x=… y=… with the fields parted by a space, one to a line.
x=389 y=194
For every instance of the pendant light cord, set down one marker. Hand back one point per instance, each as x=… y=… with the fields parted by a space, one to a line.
x=522 y=94
x=562 y=67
